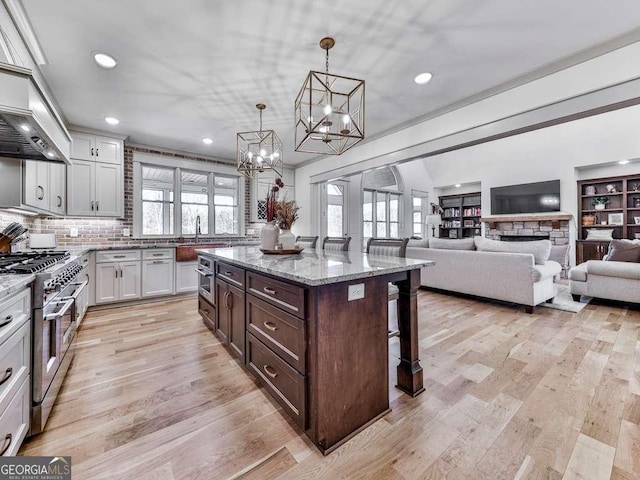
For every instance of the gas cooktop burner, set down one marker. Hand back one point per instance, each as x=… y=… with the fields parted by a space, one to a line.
x=29 y=262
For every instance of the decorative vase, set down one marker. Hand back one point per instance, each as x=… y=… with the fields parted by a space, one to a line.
x=287 y=239
x=590 y=190
x=269 y=235
x=600 y=206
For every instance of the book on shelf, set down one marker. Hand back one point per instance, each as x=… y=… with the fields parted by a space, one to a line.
x=472 y=212
x=451 y=212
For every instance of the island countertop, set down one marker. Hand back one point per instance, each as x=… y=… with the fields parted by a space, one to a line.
x=315 y=267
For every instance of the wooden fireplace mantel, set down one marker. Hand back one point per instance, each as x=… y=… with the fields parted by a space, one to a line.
x=554 y=218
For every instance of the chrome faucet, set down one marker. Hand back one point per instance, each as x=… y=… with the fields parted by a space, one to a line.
x=198 y=229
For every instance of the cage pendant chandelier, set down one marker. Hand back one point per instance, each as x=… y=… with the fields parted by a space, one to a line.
x=259 y=151
x=329 y=111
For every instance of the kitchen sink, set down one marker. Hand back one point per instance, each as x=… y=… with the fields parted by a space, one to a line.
x=187 y=253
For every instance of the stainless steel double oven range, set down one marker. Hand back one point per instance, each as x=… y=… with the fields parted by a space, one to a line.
x=54 y=320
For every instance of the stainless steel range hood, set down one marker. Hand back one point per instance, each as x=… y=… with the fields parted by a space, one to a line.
x=30 y=128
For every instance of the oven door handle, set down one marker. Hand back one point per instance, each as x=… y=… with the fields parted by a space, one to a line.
x=203 y=273
x=77 y=293
x=52 y=316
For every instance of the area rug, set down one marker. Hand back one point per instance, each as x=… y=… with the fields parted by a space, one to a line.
x=564 y=301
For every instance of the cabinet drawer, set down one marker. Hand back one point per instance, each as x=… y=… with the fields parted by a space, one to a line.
x=284 y=295
x=13 y=313
x=231 y=274
x=14 y=421
x=207 y=312
x=281 y=332
x=157 y=254
x=117 y=256
x=283 y=382
x=15 y=360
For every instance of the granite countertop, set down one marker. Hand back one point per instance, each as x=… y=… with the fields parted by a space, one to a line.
x=315 y=266
x=10 y=284
x=79 y=250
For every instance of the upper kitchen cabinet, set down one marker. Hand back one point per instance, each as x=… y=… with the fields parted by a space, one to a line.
x=44 y=186
x=95 y=181
x=96 y=148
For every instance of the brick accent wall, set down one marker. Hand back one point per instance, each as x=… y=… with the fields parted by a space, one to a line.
x=558 y=236
x=106 y=231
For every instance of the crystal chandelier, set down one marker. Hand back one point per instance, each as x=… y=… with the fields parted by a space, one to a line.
x=329 y=111
x=259 y=151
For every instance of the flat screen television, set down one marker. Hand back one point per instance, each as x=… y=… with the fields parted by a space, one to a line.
x=537 y=197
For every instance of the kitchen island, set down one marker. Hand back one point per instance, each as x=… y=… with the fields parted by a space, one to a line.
x=313 y=329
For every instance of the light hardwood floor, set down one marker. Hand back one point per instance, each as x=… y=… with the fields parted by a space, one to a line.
x=152 y=394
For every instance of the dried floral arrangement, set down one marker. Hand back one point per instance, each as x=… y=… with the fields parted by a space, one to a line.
x=286 y=214
x=272 y=199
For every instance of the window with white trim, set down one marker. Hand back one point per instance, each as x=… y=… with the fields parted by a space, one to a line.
x=419 y=204
x=168 y=200
x=382 y=205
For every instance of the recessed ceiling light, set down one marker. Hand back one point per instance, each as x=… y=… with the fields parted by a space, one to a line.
x=623 y=162
x=457 y=185
x=207 y=141
x=104 y=60
x=111 y=120
x=423 y=78
x=25 y=127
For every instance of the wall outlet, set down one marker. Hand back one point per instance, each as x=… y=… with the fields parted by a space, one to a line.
x=356 y=292
x=126 y=232
x=73 y=232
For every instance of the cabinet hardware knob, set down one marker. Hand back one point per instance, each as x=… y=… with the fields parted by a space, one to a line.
x=41 y=197
x=7 y=375
x=270 y=291
x=8 y=319
x=97 y=205
x=96 y=152
x=9 y=437
x=269 y=370
x=229 y=274
x=270 y=326
x=92 y=152
x=92 y=205
x=59 y=201
x=119 y=256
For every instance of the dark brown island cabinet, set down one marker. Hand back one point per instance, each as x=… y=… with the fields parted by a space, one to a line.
x=318 y=348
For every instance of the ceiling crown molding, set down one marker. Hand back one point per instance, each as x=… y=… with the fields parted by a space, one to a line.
x=23 y=24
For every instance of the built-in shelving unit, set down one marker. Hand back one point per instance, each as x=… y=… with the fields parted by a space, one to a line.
x=622 y=207
x=460 y=215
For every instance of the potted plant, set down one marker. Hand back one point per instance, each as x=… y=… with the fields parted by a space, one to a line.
x=269 y=233
x=600 y=203
x=286 y=216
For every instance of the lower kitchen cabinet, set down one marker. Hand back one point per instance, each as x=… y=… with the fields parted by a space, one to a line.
x=230 y=317
x=186 y=277
x=117 y=281
x=157 y=278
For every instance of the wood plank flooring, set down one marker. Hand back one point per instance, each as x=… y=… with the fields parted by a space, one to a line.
x=553 y=395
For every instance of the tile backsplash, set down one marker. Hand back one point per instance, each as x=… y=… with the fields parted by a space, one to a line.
x=107 y=231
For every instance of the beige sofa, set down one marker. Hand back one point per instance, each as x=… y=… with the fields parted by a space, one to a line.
x=507 y=276
x=606 y=279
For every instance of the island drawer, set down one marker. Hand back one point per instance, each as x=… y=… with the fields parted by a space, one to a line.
x=117 y=256
x=284 y=295
x=207 y=312
x=157 y=254
x=231 y=274
x=285 y=384
x=15 y=359
x=281 y=332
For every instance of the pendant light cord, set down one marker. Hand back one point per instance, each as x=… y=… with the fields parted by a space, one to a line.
x=260 y=121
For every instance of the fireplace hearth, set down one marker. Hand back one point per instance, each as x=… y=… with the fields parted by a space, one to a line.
x=520 y=228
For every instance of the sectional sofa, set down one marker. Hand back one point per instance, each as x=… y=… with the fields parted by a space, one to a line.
x=517 y=272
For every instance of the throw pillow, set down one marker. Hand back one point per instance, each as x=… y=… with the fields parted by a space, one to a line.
x=452 y=244
x=418 y=242
x=624 y=251
x=540 y=249
x=560 y=254
x=599 y=234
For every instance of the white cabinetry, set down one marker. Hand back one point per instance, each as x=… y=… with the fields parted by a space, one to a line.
x=96 y=148
x=95 y=181
x=15 y=370
x=186 y=277
x=118 y=276
x=157 y=272
x=44 y=186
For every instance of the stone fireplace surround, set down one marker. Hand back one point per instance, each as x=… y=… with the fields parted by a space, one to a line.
x=554 y=227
